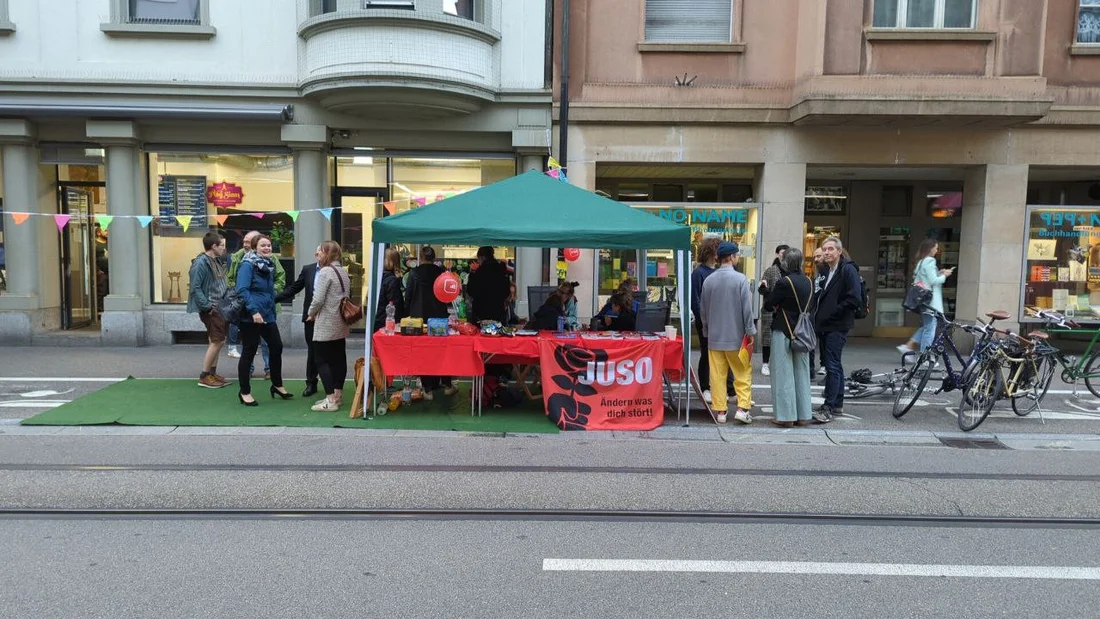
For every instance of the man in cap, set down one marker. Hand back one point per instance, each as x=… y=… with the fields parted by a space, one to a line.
x=726 y=311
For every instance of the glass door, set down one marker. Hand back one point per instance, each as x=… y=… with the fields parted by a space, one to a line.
x=355 y=209
x=78 y=265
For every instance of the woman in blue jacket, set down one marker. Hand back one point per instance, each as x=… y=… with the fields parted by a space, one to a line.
x=927 y=275
x=256 y=288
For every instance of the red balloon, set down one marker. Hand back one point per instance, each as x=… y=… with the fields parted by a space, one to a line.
x=572 y=254
x=447 y=287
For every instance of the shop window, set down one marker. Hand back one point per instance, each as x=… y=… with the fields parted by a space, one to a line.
x=826 y=200
x=1088 y=21
x=939 y=14
x=897 y=201
x=219 y=192
x=688 y=21
x=944 y=204
x=892 y=276
x=1062 y=268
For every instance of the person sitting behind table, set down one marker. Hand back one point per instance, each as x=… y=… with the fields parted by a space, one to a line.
x=623 y=318
x=512 y=320
x=627 y=288
x=546 y=318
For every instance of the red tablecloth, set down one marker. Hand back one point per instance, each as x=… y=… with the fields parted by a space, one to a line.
x=465 y=355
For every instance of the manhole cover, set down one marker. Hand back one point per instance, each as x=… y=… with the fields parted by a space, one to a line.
x=973 y=443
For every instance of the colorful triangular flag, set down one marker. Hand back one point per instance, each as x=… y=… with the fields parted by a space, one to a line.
x=554 y=173
x=553 y=163
x=145 y=220
x=185 y=221
x=221 y=219
x=61 y=221
x=257 y=215
x=390 y=206
x=293 y=215
x=19 y=217
x=439 y=197
x=562 y=178
x=327 y=212
x=420 y=201
x=104 y=221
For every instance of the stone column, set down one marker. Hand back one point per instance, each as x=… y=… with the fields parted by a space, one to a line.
x=583 y=174
x=528 y=259
x=991 y=246
x=122 y=322
x=781 y=191
x=21 y=302
x=311 y=191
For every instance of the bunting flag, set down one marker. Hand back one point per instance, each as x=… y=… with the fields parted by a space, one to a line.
x=327 y=212
x=439 y=198
x=554 y=173
x=420 y=201
x=144 y=220
x=19 y=217
x=562 y=177
x=553 y=163
x=221 y=219
x=293 y=215
x=184 y=221
x=104 y=221
x=390 y=206
x=257 y=215
x=61 y=221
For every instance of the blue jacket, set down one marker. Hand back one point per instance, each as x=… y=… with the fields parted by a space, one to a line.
x=698 y=276
x=257 y=291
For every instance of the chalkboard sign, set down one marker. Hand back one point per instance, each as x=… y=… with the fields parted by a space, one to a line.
x=182 y=195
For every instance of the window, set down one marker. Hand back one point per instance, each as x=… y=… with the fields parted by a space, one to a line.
x=6 y=27
x=459 y=8
x=389 y=4
x=321 y=7
x=688 y=21
x=1088 y=21
x=164 y=12
x=925 y=13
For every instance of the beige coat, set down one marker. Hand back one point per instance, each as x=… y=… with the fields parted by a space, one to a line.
x=325 y=308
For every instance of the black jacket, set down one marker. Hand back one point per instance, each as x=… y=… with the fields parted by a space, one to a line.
x=782 y=301
x=420 y=301
x=391 y=292
x=837 y=302
x=489 y=288
x=304 y=282
x=546 y=318
x=625 y=321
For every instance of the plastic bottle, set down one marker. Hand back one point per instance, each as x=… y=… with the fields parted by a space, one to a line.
x=391 y=318
x=461 y=308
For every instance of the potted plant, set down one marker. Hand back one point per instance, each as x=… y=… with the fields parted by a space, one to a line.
x=283 y=237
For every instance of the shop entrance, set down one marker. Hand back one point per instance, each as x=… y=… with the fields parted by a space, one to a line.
x=354 y=208
x=83 y=260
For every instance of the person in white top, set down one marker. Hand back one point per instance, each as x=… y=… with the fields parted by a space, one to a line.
x=927 y=275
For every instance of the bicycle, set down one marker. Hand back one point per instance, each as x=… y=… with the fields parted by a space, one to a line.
x=1017 y=368
x=943 y=347
x=1074 y=369
x=863 y=384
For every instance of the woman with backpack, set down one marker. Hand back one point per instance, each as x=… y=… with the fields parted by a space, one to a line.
x=789 y=298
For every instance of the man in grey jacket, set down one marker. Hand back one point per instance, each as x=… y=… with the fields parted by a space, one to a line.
x=726 y=312
x=206 y=288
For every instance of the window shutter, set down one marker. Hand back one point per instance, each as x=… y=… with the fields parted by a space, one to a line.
x=688 y=21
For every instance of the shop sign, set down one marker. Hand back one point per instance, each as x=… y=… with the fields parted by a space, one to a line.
x=704 y=216
x=594 y=389
x=224 y=194
x=1067 y=223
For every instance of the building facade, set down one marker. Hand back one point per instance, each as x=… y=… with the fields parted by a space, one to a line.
x=884 y=122
x=129 y=128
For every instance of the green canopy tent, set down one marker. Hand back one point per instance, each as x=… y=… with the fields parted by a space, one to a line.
x=535 y=210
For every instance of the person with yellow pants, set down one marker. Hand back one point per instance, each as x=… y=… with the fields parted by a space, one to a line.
x=726 y=312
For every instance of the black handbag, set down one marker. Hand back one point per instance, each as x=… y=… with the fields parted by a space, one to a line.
x=917 y=297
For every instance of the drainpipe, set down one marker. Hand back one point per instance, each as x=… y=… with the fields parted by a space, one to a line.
x=563 y=120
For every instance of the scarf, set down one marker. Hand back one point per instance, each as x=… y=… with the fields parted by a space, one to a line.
x=261 y=265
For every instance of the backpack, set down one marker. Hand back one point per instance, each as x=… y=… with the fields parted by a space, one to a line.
x=231 y=306
x=803 y=336
x=864 y=309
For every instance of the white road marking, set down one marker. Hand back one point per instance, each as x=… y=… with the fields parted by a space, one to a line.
x=808 y=567
x=33 y=403
x=58 y=379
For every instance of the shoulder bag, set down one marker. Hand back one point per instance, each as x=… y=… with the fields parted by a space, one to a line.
x=918 y=296
x=350 y=311
x=803 y=336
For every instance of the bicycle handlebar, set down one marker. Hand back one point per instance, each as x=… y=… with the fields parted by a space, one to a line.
x=1056 y=319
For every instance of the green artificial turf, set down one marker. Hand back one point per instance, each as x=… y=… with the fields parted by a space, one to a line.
x=161 y=402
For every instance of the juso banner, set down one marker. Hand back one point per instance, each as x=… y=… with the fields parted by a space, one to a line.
x=594 y=389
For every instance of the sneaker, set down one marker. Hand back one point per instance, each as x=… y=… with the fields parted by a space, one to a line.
x=821 y=371
x=765 y=370
x=743 y=416
x=222 y=379
x=706 y=396
x=903 y=349
x=325 y=406
x=823 y=415
x=211 y=382
x=450 y=390
x=267 y=375
x=233 y=352
x=720 y=416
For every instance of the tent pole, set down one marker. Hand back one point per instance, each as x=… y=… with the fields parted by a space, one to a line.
x=379 y=251
x=685 y=325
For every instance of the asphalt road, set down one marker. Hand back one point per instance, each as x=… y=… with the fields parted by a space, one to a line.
x=791 y=558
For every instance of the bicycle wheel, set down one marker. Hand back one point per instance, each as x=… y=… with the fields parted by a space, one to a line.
x=980 y=396
x=1092 y=374
x=1024 y=404
x=912 y=385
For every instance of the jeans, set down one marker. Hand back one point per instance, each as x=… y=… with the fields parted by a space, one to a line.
x=790 y=380
x=251 y=334
x=926 y=333
x=832 y=348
